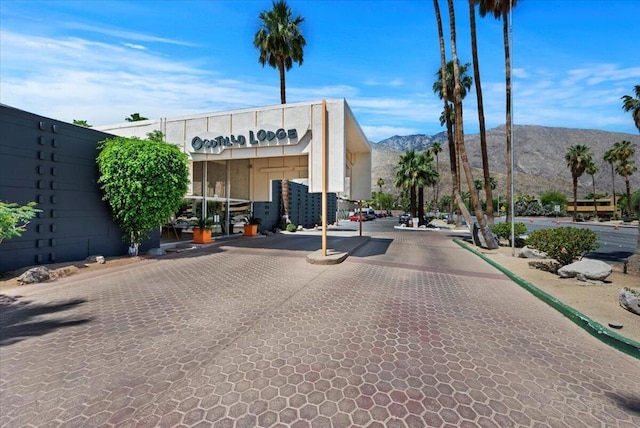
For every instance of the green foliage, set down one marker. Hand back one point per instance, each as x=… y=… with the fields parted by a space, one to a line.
x=155 y=135
x=553 y=197
x=143 y=182
x=15 y=218
x=503 y=231
x=203 y=223
x=81 y=123
x=291 y=227
x=565 y=244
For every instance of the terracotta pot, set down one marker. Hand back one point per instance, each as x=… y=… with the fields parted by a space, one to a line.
x=250 y=230
x=201 y=236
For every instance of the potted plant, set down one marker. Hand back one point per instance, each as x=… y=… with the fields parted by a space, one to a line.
x=251 y=226
x=202 y=231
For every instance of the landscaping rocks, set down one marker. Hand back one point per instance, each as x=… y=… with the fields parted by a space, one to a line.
x=629 y=301
x=585 y=270
x=35 y=275
x=546 y=265
x=532 y=253
x=156 y=252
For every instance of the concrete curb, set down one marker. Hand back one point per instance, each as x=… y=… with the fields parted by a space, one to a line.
x=602 y=333
x=343 y=248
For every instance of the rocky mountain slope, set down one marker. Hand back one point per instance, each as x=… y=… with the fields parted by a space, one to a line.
x=538 y=159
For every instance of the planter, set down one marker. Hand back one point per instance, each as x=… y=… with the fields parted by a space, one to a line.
x=250 y=230
x=201 y=236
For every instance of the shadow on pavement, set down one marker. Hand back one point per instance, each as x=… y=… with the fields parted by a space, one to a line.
x=17 y=318
x=629 y=402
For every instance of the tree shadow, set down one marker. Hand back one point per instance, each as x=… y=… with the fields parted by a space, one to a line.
x=626 y=401
x=18 y=319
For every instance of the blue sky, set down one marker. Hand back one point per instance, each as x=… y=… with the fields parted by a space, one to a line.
x=103 y=60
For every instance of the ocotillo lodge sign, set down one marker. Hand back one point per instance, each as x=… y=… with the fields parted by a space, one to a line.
x=214 y=143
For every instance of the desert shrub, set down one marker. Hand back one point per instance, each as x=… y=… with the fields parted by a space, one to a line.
x=291 y=227
x=565 y=244
x=503 y=231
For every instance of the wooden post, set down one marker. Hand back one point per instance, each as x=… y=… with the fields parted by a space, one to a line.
x=325 y=177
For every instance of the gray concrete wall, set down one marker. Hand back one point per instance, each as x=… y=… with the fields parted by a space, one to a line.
x=53 y=163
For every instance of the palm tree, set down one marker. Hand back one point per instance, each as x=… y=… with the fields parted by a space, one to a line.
x=135 y=117
x=483 y=134
x=489 y=238
x=632 y=104
x=435 y=149
x=427 y=176
x=439 y=86
x=578 y=158
x=82 y=123
x=592 y=169
x=407 y=171
x=626 y=169
x=280 y=41
x=380 y=183
x=453 y=156
x=500 y=10
x=610 y=157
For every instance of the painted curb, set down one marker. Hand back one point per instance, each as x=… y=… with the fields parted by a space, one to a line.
x=597 y=330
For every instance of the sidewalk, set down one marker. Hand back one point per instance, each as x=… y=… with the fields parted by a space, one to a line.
x=411 y=330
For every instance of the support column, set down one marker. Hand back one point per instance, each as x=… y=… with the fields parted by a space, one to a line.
x=325 y=177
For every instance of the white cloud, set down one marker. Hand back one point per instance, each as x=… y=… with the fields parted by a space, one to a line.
x=125 y=34
x=134 y=46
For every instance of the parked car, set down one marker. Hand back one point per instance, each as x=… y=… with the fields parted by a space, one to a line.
x=358 y=217
x=405 y=218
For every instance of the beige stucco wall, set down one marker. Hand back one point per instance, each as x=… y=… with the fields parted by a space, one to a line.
x=348 y=150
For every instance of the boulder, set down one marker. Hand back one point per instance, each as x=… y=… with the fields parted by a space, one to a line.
x=532 y=253
x=93 y=258
x=35 y=275
x=586 y=269
x=546 y=265
x=629 y=301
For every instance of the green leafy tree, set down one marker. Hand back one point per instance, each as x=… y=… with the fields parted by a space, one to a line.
x=380 y=183
x=143 y=181
x=280 y=41
x=578 y=158
x=82 y=123
x=427 y=176
x=632 y=104
x=155 y=135
x=15 y=218
x=552 y=197
x=406 y=178
x=135 y=117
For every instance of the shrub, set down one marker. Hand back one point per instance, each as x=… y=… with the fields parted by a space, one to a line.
x=291 y=227
x=503 y=231
x=565 y=244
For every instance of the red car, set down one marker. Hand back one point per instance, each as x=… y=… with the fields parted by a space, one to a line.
x=358 y=217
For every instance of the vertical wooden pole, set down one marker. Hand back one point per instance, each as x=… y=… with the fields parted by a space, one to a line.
x=325 y=177
x=360 y=220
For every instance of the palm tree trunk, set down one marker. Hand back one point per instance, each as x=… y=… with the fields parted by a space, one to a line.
x=483 y=134
x=507 y=67
x=595 y=202
x=420 y=204
x=452 y=148
x=613 y=190
x=489 y=239
x=412 y=199
x=626 y=182
x=575 y=198
x=283 y=95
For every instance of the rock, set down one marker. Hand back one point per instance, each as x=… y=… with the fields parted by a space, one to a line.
x=629 y=301
x=300 y=228
x=586 y=269
x=547 y=265
x=532 y=253
x=156 y=252
x=100 y=260
x=35 y=275
x=93 y=258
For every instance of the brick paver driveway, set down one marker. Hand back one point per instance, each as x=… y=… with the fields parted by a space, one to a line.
x=412 y=330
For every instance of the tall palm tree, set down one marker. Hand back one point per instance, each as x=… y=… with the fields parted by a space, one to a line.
x=453 y=156
x=626 y=169
x=435 y=149
x=438 y=88
x=578 y=158
x=632 y=104
x=482 y=129
x=592 y=169
x=610 y=157
x=489 y=238
x=500 y=10
x=280 y=41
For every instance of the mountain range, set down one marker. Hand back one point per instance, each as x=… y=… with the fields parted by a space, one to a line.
x=539 y=162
